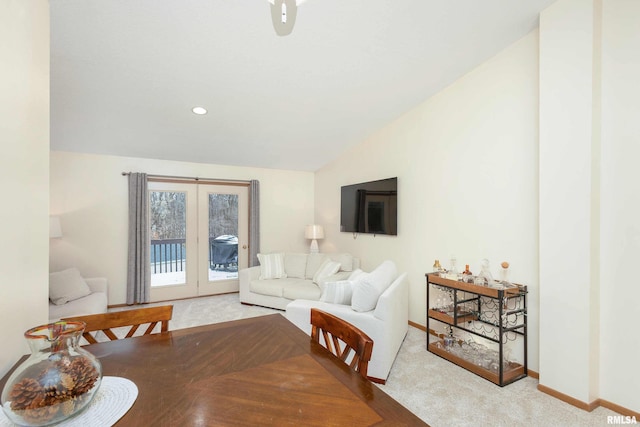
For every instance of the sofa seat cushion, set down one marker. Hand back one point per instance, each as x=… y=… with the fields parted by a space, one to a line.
x=91 y=304
x=301 y=289
x=289 y=288
x=272 y=287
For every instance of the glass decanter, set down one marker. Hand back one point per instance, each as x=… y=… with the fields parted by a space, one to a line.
x=56 y=382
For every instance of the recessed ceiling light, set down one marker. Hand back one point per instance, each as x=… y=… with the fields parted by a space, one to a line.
x=199 y=110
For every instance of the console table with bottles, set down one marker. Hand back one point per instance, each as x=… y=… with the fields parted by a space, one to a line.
x=480 y=328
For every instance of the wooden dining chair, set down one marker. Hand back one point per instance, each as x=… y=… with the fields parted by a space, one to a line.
x=116 y=319
x=341 y=338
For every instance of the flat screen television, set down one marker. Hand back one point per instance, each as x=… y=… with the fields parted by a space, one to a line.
x=370 y=207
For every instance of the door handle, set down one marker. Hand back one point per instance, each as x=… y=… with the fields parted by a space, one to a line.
x=244 y=246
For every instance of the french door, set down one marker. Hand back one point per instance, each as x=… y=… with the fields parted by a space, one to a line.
x=199 y=235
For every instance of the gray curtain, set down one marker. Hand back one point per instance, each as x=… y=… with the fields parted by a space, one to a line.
x=254 y=222
x=139 y=268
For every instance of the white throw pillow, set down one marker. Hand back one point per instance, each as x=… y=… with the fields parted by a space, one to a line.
x=271 y=266
x=337 y=277
x=295 y=265
x=67 y=285
x=355 y=274
x=327 y=268
x=368 y=287
x=337 y=292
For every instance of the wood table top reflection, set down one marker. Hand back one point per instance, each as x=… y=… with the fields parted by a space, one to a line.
x=251 y=372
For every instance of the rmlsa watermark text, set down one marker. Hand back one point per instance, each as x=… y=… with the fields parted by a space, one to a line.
x=621 y=419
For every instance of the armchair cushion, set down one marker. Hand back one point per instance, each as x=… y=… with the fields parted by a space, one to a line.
x=67 y=285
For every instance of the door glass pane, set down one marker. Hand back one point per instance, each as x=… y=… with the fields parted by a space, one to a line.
x=168 y=226
x=223 y=236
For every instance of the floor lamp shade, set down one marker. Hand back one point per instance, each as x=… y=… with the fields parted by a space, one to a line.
x=314 y=232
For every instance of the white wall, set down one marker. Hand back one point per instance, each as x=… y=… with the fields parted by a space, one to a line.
x=589 y=207
x=90 y=195
x=24 y=171
x=568 y=212
x=466 y=162
x=620 y=214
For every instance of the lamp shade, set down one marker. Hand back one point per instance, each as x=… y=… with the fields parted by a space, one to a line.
x=314 y=232
x=55 y=229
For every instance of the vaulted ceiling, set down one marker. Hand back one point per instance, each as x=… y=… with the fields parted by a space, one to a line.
x=125 y=74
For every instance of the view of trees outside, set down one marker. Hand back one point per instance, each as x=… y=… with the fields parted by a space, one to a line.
x=223 y=215
x=168 y=215
x=168 y=229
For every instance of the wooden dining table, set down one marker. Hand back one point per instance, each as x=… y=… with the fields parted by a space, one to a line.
x=260 y=371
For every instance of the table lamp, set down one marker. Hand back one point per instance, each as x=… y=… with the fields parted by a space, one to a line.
x=314 y=232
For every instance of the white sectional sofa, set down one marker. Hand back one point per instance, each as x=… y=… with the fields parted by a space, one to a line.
x=387 y=323
x=285 y=277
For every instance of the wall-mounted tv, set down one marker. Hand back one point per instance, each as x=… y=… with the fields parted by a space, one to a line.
x=370 y=207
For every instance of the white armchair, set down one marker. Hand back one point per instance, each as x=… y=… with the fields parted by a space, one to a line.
x=94 y=303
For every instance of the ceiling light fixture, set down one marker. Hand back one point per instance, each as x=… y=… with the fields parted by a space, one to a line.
x=283 y=15
x=199 y=110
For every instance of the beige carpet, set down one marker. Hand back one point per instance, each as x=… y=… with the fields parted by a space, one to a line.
x=436 y=390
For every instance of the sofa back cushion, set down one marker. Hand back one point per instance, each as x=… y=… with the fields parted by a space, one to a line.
x=368 y=287
x=272 y=266
x=345 y=260
x=314 y=261
x=295 y=265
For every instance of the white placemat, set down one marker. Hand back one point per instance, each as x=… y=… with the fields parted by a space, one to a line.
x=112 y=400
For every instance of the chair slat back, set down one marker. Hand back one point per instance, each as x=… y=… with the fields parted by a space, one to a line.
x=134 y=318
x=341 y=338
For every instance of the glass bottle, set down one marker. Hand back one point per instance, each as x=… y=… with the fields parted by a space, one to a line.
x=437 y=268
x=448 y=339
x=485 y=272
x=57 y=381
x=466 y=271
x=504 y=272
x=454 y=265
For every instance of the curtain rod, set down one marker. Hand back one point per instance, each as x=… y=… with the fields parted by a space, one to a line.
x=192 y=178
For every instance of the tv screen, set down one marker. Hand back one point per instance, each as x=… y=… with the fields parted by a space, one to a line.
x=370 y=207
